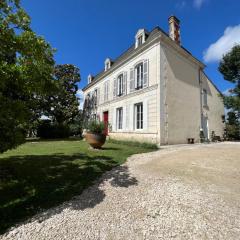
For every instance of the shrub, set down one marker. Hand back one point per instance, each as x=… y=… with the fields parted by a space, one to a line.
x=48 y=130
x=95 y=126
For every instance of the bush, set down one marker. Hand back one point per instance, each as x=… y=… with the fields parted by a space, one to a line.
x=95 y=126
x=48 y=130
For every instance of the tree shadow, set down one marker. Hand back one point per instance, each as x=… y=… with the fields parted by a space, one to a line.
x=34 y=183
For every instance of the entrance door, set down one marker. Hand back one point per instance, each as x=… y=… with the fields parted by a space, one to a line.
x=105 y=119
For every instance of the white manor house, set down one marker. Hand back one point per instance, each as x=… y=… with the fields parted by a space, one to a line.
x=156 y=91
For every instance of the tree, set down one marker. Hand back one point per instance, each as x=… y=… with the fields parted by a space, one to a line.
x=230 y=68
x=26 y=66
x=63 y=105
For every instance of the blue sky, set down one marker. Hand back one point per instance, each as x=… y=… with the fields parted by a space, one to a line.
x=86 y=32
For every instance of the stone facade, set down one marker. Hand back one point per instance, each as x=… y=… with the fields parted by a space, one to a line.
x=171 y=95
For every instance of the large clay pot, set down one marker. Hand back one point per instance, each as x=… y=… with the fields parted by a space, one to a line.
x=96 y=140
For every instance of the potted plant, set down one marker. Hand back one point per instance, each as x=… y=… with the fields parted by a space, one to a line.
x=95 y=133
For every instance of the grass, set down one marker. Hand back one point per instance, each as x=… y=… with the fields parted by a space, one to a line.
x=42 y=174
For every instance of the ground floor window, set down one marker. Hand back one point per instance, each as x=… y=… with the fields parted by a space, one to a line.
x=138 y=109
x=119 y=117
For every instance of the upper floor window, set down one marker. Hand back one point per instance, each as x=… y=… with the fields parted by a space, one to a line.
x=139 y=76
x=138 y=111
x=106 y=91
x=205 y=97
x=119 y=118
x=120 y=85
x=96 y=96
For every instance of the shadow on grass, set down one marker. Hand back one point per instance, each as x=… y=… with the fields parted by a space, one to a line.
x=33 y=183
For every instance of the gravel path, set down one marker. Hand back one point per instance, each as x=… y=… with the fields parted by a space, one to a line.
x=188 y=192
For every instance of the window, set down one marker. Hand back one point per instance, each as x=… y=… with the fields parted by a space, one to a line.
x=138 y=108
x=140 y=40
x=120 y=85
x=119 y=117
x=106 y=84
x=139 y=76
x=204 y=97
x=95 y=97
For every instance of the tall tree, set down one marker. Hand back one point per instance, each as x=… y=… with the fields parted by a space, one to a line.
x=26 y=66
x=63 y=105
x=230 y=68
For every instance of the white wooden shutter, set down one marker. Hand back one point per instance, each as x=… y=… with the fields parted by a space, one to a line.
x=145 y=73
x=107 y=90
x=114 y=127
x=98 y=95
x=132 y=77
x=131 y=117
x=114 y=87
x=124 y=83
x=145 y=114
x=124 y=118
x=127 y=116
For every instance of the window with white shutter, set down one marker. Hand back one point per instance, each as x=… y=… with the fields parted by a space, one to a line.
x=139 y=76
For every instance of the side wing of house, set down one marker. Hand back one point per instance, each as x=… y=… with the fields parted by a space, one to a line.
x=212 y=107
x=180 y=97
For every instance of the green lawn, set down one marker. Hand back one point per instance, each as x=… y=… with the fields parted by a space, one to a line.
x=42 y=174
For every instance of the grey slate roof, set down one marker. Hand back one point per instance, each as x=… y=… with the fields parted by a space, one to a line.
x=156 y=31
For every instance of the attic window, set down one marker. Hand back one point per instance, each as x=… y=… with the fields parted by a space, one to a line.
x=90 y=78
x=140 y=37
x=140 y=40
x=107 y=64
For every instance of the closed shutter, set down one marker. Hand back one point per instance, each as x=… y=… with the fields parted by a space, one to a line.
x=145 y=73
x=124 y=83
x=114 y=87
x=132 y=80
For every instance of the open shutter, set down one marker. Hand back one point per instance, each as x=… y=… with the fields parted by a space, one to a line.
x=131 y=79
x=124 y=83
x=107 y=90
x=145 y=73
x=145 y=114
x=114 y=87
x=98 y=96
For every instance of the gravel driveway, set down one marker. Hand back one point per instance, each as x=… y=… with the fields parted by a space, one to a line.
x=178 y=192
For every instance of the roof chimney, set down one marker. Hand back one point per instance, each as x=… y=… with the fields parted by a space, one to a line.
x=174 y=29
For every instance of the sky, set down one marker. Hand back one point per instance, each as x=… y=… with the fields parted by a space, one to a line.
x=86 y=32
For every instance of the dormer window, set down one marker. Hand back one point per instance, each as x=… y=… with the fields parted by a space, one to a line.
x=140 y=40
x=90 y=78
x=140 y=37
x=108 y=63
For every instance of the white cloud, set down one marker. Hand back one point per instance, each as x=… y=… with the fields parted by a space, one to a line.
x=227 y=92
x=223 y=45
x=198 y=3
x=80 y=95
x=180 y=5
